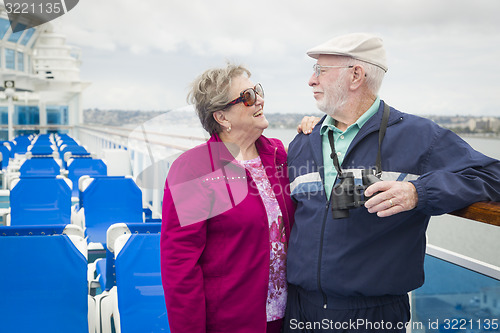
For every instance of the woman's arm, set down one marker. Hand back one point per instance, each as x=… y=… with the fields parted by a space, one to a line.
x=182 y=245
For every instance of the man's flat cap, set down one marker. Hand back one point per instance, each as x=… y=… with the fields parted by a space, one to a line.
x=362 y=46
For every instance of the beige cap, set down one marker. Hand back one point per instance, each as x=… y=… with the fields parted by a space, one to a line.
x=361 y=46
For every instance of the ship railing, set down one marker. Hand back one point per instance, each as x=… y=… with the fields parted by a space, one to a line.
x=38 y=128
x=485 y=212
x=150 y=153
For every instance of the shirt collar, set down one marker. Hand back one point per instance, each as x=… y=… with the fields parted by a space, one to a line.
x=329 y=122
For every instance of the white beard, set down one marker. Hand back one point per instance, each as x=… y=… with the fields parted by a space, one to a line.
x=334 y=98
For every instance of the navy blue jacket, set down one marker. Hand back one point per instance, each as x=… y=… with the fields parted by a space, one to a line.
x=365 y=255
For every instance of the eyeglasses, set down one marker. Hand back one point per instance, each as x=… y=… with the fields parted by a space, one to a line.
x=248 y=96
x=318 y=68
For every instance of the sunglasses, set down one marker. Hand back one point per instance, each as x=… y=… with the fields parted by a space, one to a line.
x=248 y=96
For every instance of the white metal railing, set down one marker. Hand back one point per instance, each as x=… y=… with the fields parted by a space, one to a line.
x=465 y=309
x=464 y=261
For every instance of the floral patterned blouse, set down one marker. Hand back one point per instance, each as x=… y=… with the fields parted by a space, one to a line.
x=277 y=290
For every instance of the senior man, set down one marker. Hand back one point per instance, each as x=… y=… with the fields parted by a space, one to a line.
x=352 y=259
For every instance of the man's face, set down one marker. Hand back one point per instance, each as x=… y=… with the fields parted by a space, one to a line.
x=330 y=87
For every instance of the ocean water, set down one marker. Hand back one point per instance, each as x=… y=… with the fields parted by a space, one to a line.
x=470 y=238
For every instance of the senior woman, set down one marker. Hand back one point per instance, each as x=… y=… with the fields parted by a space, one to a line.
x=227 y=215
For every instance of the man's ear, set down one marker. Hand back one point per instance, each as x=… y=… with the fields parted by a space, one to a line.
x=358 y=76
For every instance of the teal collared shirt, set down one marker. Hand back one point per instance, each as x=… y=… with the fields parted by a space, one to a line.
x=342 y=142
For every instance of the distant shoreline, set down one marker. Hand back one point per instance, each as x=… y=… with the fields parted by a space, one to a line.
x=458 y=124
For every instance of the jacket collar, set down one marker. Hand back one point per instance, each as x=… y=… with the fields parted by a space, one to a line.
x=373 y=124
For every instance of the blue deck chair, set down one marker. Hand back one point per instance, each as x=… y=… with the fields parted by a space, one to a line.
x=4 y=156
x=106 y=200
x=78 y=167
x=64 y=139
x=105 y=266
x=138 y=293
x=43 y=137
x=67 y=152
x=4 y=163
x=20 y=145
x=43 y=285
x=72 y=148
x=40 y=201
x=40 y=167
x=41 y=150
x=42 y=142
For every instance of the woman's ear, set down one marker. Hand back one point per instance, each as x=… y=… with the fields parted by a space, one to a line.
x=220 y=117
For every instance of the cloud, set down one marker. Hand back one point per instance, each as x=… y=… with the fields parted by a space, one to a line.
x=442 y=54
x=124 y=96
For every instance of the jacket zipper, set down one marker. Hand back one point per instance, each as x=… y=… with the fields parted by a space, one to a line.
x=320 y=256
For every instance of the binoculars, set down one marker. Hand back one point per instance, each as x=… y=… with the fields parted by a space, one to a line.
x=347 y=195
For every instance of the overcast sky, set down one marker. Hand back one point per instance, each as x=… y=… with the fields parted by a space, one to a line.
x=443 y=55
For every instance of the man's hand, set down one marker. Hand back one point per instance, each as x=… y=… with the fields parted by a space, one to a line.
x=394 y=197
x=307 y=124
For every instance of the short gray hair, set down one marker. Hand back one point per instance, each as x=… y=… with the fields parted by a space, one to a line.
x=374 y=74
x=210 y=93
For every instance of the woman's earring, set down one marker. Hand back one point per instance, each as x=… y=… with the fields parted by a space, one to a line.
x=228 y=129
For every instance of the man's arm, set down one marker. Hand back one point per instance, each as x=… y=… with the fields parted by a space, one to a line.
x=455 y=176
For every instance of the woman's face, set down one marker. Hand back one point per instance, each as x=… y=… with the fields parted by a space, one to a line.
x=245 y=119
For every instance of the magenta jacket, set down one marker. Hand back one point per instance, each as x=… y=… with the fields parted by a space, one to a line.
x=215 y=238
